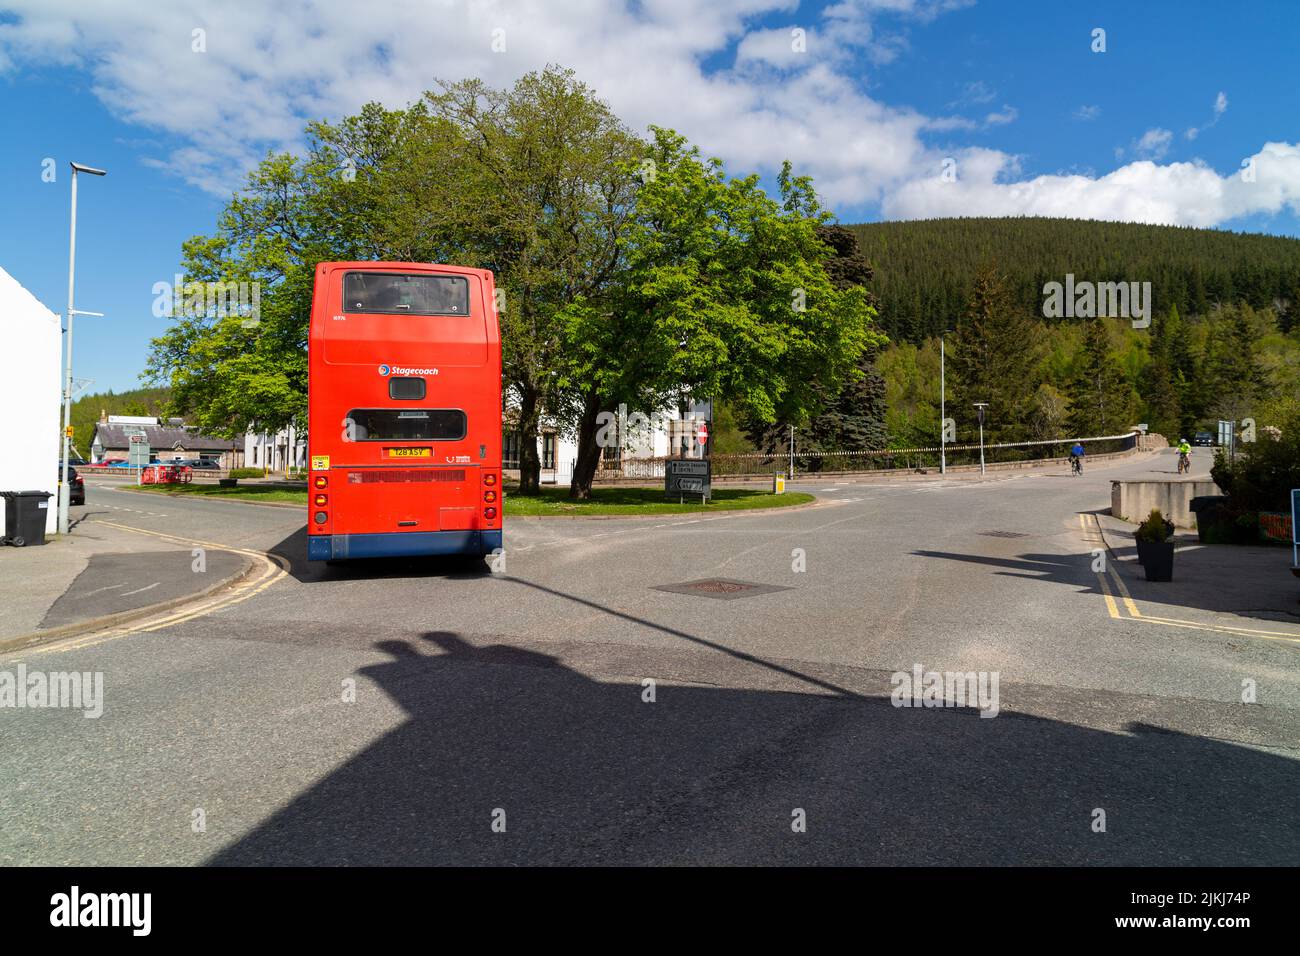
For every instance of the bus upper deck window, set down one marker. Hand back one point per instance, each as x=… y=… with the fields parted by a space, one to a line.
x=391 y=293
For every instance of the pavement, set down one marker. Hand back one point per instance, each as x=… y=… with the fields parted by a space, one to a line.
x=101 y=572
x=393 y=712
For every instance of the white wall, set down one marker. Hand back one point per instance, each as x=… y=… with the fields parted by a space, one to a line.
x=30 y=395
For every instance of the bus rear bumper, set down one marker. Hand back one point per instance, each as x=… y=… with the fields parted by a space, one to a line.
x=339 y=547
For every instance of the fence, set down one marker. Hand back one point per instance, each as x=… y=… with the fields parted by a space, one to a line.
x=877 y=460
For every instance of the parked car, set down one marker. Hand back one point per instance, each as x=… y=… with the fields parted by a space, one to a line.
x=1203 y=439
x=78 y=485
x=212 y=463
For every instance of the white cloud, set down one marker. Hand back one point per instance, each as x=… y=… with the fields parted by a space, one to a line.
x=1153 y=144
x=1007 y=115
x=1087 y=112
x=1188 y=194
x=976 y=92
x=1220 y=107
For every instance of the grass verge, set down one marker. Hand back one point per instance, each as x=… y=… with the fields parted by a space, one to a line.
x=644 y=501
x=552 y=501
x=295 y=496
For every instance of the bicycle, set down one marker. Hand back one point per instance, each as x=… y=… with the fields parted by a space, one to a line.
x=1076 y=465
x=1184 y=463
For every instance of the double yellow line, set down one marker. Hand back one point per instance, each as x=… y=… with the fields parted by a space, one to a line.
x=1092 y=536
x=272 y=569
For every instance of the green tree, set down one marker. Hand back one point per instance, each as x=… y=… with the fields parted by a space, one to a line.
x=724 y=294
x=1102 y=398
x=855 y=417
x=994 y=358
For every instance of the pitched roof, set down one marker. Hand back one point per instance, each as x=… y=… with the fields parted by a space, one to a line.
x=160 y=436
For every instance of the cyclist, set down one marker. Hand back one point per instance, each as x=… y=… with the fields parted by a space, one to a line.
x=1076 y=458
x=1184 y=456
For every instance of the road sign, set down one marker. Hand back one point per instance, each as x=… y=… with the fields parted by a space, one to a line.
x=687 y=476
x=138 y=453
x=702 y=433
x=68 y=431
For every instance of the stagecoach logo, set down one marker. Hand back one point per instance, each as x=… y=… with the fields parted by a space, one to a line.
x=403 y=370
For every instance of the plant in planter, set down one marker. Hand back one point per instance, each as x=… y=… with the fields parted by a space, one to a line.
x=1155 y=541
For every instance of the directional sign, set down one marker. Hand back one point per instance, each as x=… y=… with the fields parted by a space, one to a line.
x=687 y=476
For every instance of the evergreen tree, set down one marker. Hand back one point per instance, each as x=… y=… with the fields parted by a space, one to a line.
x=994 y=358
x=1102 y=398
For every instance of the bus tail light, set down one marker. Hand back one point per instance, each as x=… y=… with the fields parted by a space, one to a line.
x=489 y=513
x=321 y=481
x=321 y=500
x=489 y=496
x=490 y=479
x=321 y=517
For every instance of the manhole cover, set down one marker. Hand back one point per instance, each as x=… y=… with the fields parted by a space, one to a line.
x=1004 y=534
x=725 y=589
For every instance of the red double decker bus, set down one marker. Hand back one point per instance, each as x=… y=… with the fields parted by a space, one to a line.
x=404 y=411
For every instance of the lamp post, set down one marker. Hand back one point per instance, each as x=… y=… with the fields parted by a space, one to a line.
x=979 y=413
x=65 y=493
x=943 y=413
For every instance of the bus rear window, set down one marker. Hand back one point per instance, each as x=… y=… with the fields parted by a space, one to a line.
x=406 y=424
x=405 y=294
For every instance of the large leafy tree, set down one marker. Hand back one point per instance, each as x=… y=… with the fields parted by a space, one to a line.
x=723 y=293
x=854 y=418
x=534 y=182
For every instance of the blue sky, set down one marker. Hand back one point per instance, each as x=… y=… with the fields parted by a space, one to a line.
x=872 y=101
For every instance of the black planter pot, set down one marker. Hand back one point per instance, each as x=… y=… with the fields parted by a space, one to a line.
x=1159 y=563
x=1142 y=551
x=228 y=482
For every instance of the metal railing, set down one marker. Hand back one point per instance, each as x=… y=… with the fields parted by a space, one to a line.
x=874 y=460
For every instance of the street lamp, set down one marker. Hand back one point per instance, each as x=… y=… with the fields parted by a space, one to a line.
x=979 y=413
x=943 y=415
x=65 y=493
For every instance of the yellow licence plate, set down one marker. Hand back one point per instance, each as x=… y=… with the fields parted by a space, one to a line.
x=410 y=452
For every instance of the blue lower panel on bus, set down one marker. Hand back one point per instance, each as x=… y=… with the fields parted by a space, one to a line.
x=336 y=547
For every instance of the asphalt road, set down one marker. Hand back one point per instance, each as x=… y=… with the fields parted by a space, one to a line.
x=506 y=718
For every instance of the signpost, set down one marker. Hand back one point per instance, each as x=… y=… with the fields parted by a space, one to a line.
x=1228 y=438
x=687 y=476
x=138 y=454
x=979 y=411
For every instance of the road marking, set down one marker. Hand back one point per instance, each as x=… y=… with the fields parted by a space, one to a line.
x=106 y=587
x=1092 y=535
x=147 y=587
x=1110 y=601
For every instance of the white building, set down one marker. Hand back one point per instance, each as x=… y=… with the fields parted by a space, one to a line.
x=31 y=396
x=274 y=452
x=669 y=433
